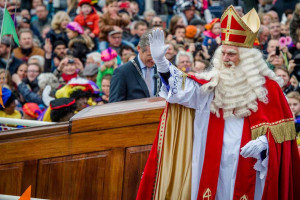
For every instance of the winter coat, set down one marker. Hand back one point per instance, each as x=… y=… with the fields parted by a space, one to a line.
x=14 y=63
x=91 y=21
x=28 y=95
x=35 y=51
x=54 y=36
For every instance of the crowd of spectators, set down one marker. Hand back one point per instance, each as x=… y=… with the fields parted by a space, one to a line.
x=69 y=49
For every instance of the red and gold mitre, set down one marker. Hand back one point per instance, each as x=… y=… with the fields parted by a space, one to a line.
x=239 y=31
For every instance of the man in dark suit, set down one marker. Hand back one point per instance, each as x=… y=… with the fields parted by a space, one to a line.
x=137 y=78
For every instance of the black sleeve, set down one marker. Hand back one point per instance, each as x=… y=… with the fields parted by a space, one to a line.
x=165 y=77
x=118 y=86
x=47 y=66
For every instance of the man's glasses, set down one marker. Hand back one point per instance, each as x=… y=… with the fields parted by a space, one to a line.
x=33 y=71
x=185 y=61
x=117 y=37
x=157 y=23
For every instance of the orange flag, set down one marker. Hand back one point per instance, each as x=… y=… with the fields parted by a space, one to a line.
x=1 y=100
x=26 y=195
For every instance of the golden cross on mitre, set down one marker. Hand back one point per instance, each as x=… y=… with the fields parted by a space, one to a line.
x=239 y=31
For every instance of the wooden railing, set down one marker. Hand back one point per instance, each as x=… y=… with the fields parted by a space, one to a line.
x=99 y=154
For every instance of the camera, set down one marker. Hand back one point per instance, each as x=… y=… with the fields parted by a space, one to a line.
x=277 y=52
x=198 y=46
x=297 y=61
x=70 y=60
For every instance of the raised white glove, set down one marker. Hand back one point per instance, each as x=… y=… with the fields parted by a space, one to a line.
x=255 y=147
x=158 y=50
x=46 y=95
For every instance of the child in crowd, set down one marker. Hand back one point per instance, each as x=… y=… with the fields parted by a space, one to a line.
x=212 y=36
x=58 y=28
x=74 y=29
x=105 y=85
x=68 y=68
x=109 y=58
x=294 y=103
x=89 y=18
x=80 y=44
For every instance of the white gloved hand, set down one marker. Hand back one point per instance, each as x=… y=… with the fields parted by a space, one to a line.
x=255 y=147
x=46 y=95
x=158 y=50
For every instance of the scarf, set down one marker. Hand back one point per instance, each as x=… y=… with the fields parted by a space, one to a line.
x=67 y=78
x=210 y=34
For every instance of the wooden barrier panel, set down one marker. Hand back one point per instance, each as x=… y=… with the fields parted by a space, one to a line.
x=99 y=154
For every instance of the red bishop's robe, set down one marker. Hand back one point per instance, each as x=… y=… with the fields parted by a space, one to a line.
x=167 y=174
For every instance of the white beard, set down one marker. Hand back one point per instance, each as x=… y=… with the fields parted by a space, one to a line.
x=233 y=93
x=238 y=88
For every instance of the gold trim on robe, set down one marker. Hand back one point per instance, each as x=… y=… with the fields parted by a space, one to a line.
x=175 y=160
x=281 y=131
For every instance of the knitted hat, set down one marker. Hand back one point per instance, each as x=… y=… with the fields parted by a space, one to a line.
x=32 y=110
x=89 y=2
x=191 y=32
x=108 y=54
x=58 y=42
x=74 y=26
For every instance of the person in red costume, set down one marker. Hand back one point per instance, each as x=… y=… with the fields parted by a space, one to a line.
x=227 y=133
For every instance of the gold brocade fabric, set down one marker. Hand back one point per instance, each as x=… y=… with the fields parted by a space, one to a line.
x=283 y=130
x=174 y=174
